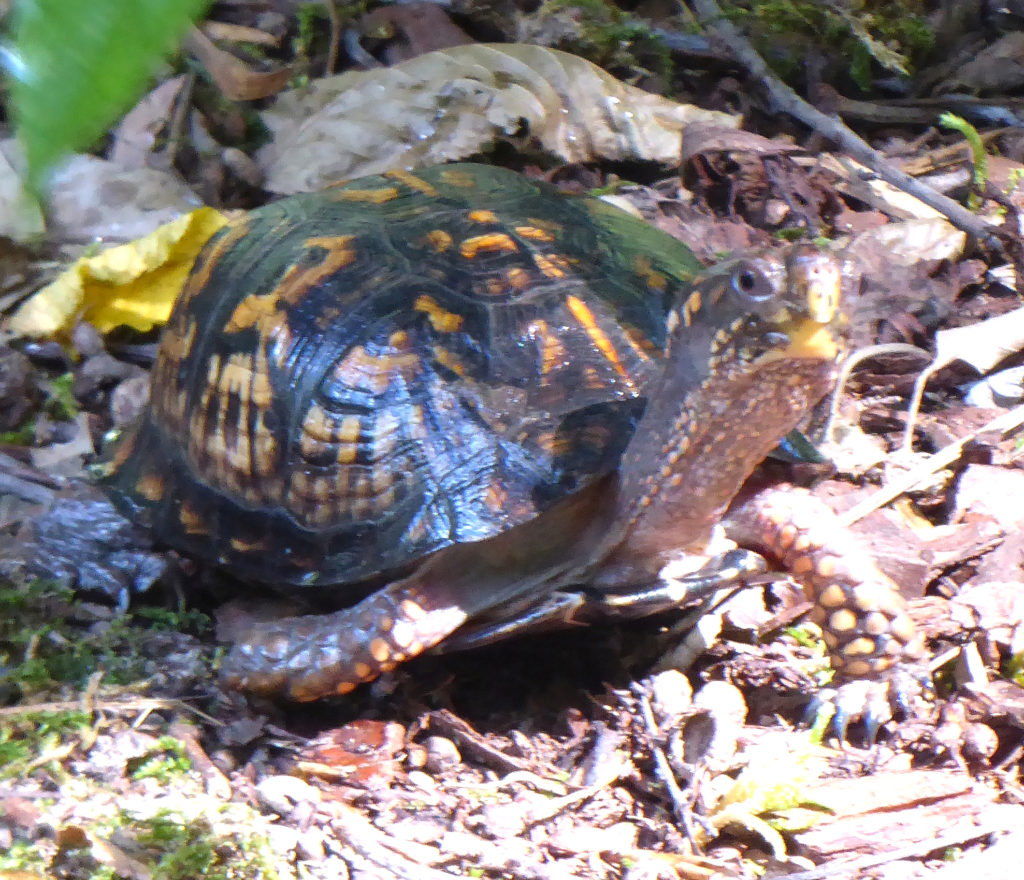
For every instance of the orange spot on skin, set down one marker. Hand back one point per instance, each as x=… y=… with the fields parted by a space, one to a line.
x=581 y=312
x=492 y=242
x=440 y=319
x=495 y=286
x=483 y=216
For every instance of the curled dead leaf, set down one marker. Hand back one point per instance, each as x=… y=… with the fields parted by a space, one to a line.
x=453 y=103
x=134 y=284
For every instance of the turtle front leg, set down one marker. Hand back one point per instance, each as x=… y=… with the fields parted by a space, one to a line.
x=873 y=644
x=322 y=655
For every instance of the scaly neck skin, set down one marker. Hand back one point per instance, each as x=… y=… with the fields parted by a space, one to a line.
x=689 y=457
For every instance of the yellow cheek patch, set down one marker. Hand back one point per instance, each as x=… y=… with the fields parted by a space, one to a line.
x=811 y=340
x=494 y=242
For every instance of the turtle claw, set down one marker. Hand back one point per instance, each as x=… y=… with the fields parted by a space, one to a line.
x=874 y=702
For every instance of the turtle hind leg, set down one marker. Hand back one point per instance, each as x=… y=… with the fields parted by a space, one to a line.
x=315 y=656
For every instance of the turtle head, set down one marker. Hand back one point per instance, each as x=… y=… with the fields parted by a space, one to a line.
x=752 y=346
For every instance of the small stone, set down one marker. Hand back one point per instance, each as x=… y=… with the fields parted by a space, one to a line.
x=442 y=754
x=282 y=838
x=671 y=695
x=415 y=756
x=421 y=780
x=282 y=793
x=310 y=845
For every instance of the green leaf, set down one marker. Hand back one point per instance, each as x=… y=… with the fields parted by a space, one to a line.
x=76 y=66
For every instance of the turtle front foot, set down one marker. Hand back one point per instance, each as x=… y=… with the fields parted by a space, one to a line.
x=873 y=644
x=315 y=656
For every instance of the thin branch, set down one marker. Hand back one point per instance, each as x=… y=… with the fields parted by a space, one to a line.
x=788 y=101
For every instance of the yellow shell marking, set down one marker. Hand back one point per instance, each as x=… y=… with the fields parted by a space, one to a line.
x=368 y=196
x=551 y=265
x=492 y=242
x=209 y=259
x=413 y=182
x=552 y=351
x=534 y=233
x=150 y=486
x=440 y=319
x=439 y=240
x=655 y=279
x=191 y=520
x=483 y=216
x=252 y=311
x=518 y=278
x=581 y=312
x=460 y=179
x=446 y=359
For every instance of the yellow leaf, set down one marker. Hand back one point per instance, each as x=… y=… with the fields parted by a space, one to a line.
x=134 y=284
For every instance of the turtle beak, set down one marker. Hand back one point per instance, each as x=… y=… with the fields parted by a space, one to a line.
x=815 y=279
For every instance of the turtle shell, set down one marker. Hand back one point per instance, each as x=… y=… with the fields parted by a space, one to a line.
x=358 y=377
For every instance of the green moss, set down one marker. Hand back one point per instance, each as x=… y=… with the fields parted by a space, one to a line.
x=21 y=856
x=27 y=741
x=60 y=402
x=44 y=649
x=180 y=848
x=869 y=36
x=609 y=37
x=165 y=764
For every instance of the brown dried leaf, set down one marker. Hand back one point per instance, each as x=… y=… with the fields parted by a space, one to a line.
x=453 y=103
x=362 y=752
x=233 y=77
x=700 y=138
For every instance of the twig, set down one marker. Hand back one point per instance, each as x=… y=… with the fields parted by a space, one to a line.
x=332 y=49
x=916 y=850
x=788 y=101
x=947 y=455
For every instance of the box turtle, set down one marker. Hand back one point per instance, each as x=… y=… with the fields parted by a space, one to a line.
x=465 y=400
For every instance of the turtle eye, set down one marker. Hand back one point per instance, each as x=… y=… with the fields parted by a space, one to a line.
x=752 y=283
